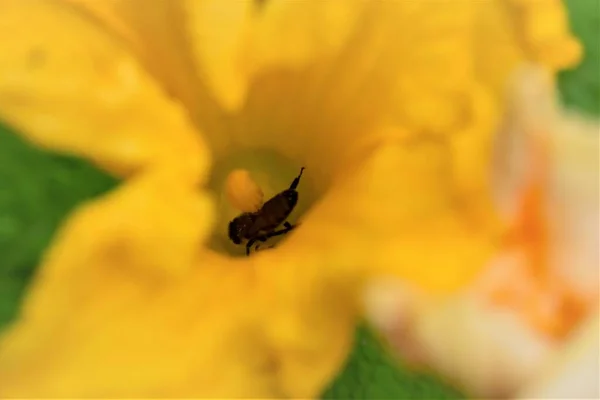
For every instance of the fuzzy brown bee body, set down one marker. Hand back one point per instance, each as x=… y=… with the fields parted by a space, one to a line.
x=262 y=224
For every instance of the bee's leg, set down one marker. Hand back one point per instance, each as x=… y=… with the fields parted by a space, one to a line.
x=249 y=245
x=296 y=181
x=252 y=241
x=258 y=247
x=288 y=227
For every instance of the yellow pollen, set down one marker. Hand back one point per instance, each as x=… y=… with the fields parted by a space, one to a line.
x=243 y=192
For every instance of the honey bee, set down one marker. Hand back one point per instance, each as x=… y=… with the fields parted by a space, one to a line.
x=261 y=225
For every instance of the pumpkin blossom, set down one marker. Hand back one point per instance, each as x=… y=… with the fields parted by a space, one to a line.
x=390 y=106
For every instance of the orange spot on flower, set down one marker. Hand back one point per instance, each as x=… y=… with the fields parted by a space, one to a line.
x=533 y=291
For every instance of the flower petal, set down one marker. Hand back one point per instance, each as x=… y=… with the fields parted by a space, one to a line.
x=473 y=43
x=545 y=30
x=573 y=371
x=538 y=124
x=72 y=87
x=290 y=33
x=155 y=32
x=505 y=36
x=426 y=68
x=443 y=31
x=310 y=320
x=234 y=40
x=574 y=201
x=386 y=211
x=502 y=351
x=219 y=32
x=127 y=305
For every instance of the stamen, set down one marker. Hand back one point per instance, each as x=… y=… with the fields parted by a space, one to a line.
x=243 y=192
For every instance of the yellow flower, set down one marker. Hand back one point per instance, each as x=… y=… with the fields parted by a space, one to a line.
x=390 y=106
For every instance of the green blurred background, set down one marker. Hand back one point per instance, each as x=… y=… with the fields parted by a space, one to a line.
x=38 y=189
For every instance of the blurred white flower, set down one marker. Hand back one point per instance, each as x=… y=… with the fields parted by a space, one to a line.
x=511 y=332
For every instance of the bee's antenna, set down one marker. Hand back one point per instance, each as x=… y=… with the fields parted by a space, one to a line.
x=296 y=181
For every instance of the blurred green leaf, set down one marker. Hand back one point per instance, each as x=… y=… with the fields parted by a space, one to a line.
x=371 y=373
x=37 y=191
x=580 y=87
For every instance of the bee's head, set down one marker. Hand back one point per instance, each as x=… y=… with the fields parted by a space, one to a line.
x=238 y=227
x=234 y=232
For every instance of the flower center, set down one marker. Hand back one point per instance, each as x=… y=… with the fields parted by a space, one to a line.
x=272 y=173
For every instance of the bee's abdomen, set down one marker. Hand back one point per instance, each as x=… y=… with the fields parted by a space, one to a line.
x=275 y=211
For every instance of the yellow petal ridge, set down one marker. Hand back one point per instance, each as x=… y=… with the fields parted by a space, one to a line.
x=219 y=31
x=545 y=30
x=235 y=41
x=71 y=87
x=110 y=270
x=392 y=228
x=155 y=32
